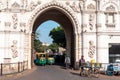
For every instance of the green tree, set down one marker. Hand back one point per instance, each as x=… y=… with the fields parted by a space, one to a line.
x=38 y=44
x=58 y=36
x=53 y=47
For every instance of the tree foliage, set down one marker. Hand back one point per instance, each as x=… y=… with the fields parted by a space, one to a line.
x=53 y=47
x=38 y=44
x=58 y=36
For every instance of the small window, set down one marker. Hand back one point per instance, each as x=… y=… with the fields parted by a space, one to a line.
x=110 y=16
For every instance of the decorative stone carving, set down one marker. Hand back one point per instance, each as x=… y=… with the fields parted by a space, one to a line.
x=55 y=4
x=81 y=5
x=91 y=49
x=32 y=6
x=14 y=49
x=91 y=21
x=15 y=5
x=15 y=20
x=24 y=4
x=110 y=8
x=84 y=27
x=91 y=6
x=75 y=7
x=23 y=25
x=17 y=8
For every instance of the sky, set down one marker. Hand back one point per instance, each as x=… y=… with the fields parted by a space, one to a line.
x=44 y=30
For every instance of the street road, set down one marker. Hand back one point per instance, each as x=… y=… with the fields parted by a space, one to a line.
x=55 y=72
x=51 y=72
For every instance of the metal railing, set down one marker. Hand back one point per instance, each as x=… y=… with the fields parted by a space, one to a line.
x=9 y=68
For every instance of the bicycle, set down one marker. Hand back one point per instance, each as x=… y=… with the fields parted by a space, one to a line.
x=85 y=71
x=90 y=71
x=93 y=72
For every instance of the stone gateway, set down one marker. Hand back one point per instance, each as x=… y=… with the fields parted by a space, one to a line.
x=92 y=28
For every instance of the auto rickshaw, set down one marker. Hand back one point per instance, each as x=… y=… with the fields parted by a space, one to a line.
x=41 y=59
x=50 y=59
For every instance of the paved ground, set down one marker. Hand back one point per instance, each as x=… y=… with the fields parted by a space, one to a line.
x=53 y=72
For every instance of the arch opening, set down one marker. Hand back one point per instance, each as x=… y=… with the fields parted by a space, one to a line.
x=44 y=29
x=61 y=18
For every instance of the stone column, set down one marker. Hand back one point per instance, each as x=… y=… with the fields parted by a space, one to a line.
x=83 y=30
x=29 y=51
x=76 y=36
x=76 y=51
x=98 y=24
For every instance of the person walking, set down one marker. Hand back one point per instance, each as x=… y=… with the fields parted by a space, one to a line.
x=67 y=62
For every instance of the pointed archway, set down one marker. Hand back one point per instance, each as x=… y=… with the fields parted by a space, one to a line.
x=62 y=15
